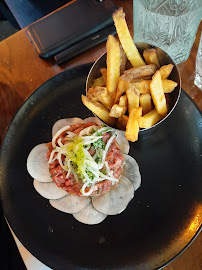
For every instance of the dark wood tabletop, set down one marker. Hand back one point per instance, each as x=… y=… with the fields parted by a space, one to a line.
x=22 y=72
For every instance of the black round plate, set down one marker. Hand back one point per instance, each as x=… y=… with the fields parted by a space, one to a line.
x=161 y=220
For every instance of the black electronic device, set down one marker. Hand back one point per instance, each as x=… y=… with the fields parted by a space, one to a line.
x=73 y=27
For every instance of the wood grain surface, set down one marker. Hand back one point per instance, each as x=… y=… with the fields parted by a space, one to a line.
x=22 y=72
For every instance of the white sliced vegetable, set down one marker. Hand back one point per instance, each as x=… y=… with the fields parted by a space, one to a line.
x=49 y=190
x=37 y=163
x=70 y=203
x=116 y=200
x=93 y=119
x=131 y=171
x=122 y=142
x=65 y=122
x=89 y=215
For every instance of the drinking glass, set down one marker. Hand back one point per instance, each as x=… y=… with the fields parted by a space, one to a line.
x=168 y=24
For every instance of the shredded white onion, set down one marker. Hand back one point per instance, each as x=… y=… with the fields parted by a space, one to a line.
x=58 y=134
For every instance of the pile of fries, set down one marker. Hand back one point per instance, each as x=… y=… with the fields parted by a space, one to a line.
x=132 y=92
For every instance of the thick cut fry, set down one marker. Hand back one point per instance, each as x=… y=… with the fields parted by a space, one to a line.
x=132 y=127
x=143 y=86
x=116 y=111
x=149 y=119
x=123 y=60
x=133 y=98
x=146 y=103
x=113 y=63
x=157 y=94
x=103 y=96
x=151 y=57
x=122 y=87
x=126 y=40
x=168 y=86
x=123 y=101
x=139 y=72
x=92 y=95
x=122 y=122
x=104 y=74
x=165 y=71
x=99 y=82
x=100 y=110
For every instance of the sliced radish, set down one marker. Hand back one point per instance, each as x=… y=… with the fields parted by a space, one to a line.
x=49 y=190
x=131 y=171
x=116 y=200
x=37 y=163
x=94 y=119
x=122 y=142
x=89 y=215
x=70 y=203
x=65 y=122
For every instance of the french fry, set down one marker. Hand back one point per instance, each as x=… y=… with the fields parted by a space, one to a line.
x=157 y=94
x=149 y=119
x=151 y=57
x=103 y=96
x=104 y=74
x=122 y=87
x=168 y=86
x=165 y=71
x=122 y=122
x=123 y=60
x=99 y=82
x=139 y=72
x=92 y=95
x=133 y=98
x=113 y=63
x=99 y=109
x=126 y=40
x=123 y=101
x=116 y=111
x=132 y=127
x=146 y=103
x=143 y=86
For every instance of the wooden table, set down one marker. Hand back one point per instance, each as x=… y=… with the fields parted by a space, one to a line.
x=22 y=72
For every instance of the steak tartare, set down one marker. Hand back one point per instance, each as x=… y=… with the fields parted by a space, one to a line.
x=85 y=159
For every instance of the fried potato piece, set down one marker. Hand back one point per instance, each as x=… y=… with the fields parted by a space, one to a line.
x=151 y=57
x=99 y=82
x=146 y=103
x=133 y=98
x=132 y=127
x=139 y=72
x=117 y=110
x=168 y=86
x=92 y=95
x=157 y=94
x=123 y=60
x=126 y=40
x=113 y=63
x=99 y=109
x=149 y=119
x=122 y=122
x=143 y=86
x=165 y=71
x=103 y=96
x=104 y=74
x=122 y=87
x=123 y=101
